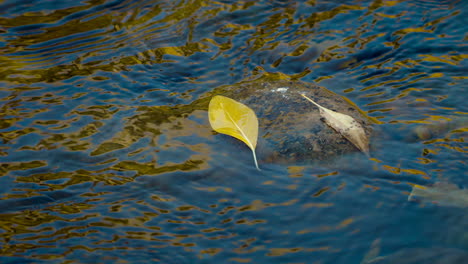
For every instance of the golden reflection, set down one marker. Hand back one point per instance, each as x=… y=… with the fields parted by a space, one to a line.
x=71 y=208
x=345 y=223
x=269 y=183
x=214 y=189
x=241 y=260
x=404 y=80
x=16 y=68
x=99 y=112
x=398 y=170
x=151 y=169
x=328 y=228
x=254 y=206
x=275 y=252
x=94 y=41
x=6 y=168
x=318 y=205
x=326 y=174
x=250 y=222
x=73 y=178
x=296 y=171
x=318 y=17
x=373 y=188
x=321 y=191
x=210 y=251
x=443 y=59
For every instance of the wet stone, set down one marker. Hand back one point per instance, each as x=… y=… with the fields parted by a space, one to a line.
x=290 y=127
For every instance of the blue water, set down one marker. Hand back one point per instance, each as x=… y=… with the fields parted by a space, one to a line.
x=106 y=155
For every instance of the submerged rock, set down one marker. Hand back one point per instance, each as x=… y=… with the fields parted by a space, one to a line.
x=441 y=193
x=434 y=255
x=291 y=128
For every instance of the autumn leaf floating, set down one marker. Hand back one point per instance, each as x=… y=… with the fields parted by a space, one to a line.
x=235 y=119
x=347 y=126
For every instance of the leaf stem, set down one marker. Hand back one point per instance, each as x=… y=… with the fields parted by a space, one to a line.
x=305 y=96
x=255 y=159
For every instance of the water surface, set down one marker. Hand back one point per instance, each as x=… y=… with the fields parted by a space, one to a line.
x=106 y=156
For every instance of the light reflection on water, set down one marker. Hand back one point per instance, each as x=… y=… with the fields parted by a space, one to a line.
x=107 y=155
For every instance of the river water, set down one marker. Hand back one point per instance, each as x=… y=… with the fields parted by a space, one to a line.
x=106 y=157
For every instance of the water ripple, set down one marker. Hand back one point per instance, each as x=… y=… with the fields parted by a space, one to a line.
x=107 y=155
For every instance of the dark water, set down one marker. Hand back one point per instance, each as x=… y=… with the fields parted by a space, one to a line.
x=105 y=157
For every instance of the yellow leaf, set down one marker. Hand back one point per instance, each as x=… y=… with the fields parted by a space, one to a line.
x=235 y=119
x=347 y=126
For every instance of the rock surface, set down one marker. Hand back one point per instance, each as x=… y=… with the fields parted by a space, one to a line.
x=291 y=128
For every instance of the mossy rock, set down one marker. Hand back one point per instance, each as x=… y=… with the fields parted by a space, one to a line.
x=291 y=129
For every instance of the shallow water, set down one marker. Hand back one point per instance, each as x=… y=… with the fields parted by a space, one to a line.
x=107 y=155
